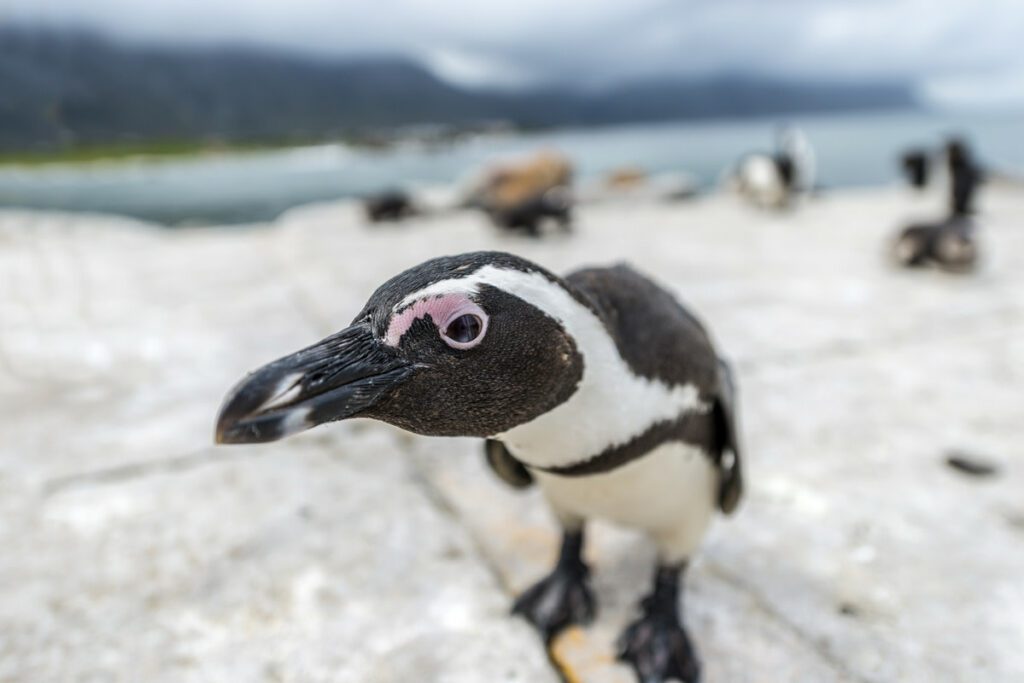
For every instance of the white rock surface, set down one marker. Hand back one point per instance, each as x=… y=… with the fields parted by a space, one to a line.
x=135 y=550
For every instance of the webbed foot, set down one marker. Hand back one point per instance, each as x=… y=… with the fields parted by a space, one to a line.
x=563 y=597
x=656 y=644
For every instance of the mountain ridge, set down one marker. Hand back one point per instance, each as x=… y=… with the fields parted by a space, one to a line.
x=66 y=88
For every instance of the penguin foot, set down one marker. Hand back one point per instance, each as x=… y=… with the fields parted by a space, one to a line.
x=656 y=644
x=559 y=600
x=657 y=647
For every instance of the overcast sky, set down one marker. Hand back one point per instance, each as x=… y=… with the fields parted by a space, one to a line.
x=960 y=50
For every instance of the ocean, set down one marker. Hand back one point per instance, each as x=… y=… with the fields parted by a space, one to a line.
x=852 y=150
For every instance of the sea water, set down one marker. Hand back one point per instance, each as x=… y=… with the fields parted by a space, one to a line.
x=852 y=150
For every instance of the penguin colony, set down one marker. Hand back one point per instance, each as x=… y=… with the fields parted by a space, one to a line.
x=599 y=387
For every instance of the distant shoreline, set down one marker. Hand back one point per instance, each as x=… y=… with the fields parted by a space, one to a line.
x=384 y=139
x=156 y=149
x=206 y=182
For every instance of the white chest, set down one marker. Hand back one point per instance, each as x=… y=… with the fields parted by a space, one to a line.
x=669 y=493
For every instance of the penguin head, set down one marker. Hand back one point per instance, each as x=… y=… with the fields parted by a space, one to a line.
x=958 y=152
x=457 y=346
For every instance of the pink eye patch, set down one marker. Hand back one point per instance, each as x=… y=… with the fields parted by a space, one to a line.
x=443 y=310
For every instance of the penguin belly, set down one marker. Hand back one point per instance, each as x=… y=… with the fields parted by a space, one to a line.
x=669 y=493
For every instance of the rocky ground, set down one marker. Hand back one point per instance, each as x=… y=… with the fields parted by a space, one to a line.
x=135 y=550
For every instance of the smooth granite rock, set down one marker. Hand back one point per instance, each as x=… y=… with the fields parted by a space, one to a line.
x=135 y=550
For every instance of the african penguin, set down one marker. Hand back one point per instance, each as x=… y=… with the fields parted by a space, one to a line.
x=527 y=215
x=950 y=243
x=390 y=205
x=599 y=386
x=774 y=180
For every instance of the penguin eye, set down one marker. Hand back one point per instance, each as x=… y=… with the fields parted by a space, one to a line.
x=465 y=329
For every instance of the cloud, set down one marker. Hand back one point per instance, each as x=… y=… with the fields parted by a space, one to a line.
x=593 y=41
x=990 y=90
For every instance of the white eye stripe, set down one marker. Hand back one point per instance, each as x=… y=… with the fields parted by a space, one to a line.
x=464 y=285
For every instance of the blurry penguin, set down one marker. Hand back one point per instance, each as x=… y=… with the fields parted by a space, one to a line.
x=521 y=195
x=949 y=244
x=773 y=181
x=390 y=205
x=529 y=214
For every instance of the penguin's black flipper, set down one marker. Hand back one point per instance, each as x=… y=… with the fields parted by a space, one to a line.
x=508 y=469
x=729 y=456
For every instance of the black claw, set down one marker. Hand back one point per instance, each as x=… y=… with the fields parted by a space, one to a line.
x=563 y=597
x=656 y=644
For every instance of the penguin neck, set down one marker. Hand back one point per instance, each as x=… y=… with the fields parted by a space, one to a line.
x=611 y=404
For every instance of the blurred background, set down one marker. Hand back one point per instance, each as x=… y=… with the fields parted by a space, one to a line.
x=222 y=111
x=192 y=188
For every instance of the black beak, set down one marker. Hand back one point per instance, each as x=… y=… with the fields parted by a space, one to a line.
x=336 y=378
